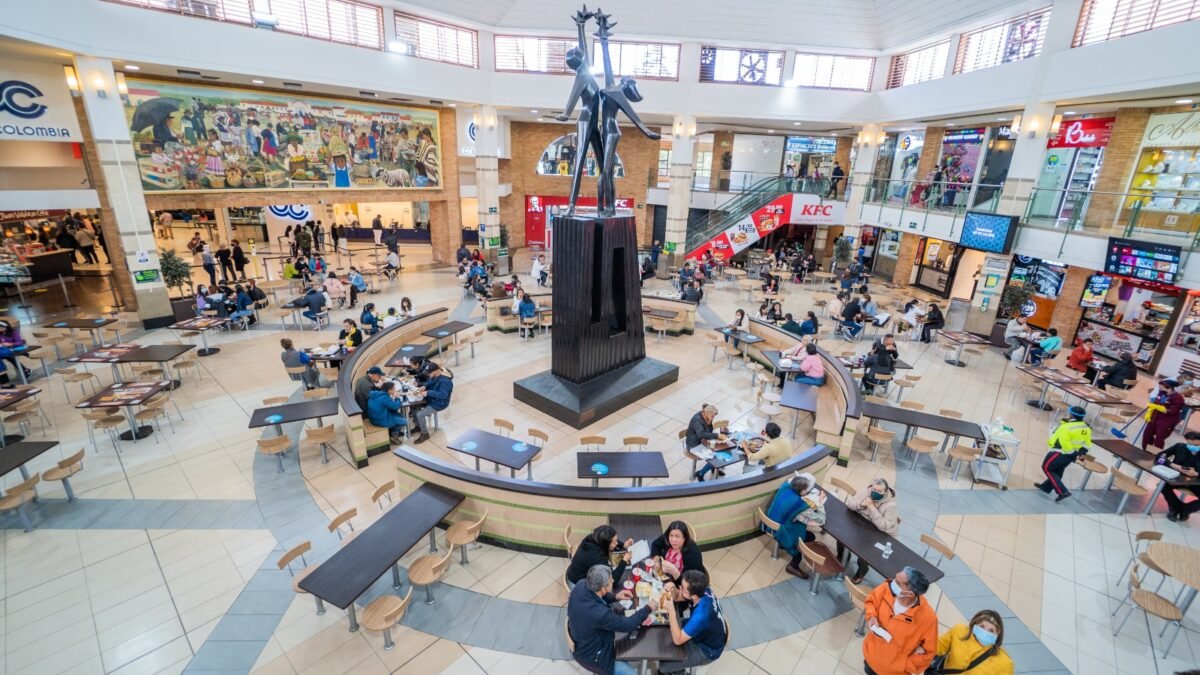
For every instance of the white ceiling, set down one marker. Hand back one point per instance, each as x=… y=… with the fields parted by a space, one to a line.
x=847 y=24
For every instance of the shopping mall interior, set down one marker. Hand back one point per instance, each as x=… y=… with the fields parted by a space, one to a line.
x=853 y=299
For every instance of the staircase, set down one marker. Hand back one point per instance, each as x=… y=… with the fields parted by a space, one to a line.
x=747 y=216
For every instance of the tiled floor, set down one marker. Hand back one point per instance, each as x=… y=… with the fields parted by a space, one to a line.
x=122 y=582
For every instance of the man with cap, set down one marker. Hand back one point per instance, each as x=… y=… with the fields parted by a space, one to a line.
x=1162 y=414
x=366 y=384
x=1069 y=442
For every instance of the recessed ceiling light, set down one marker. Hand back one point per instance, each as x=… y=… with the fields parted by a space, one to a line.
x=453 y=105
x=533 y=111
x=130 y=66
x=949 y=124
x=797 y=123
x=770 y=131
x=541 y=119
x=257 y=81
x=1001 y=119
x=1183 y=101
x=1070 y=112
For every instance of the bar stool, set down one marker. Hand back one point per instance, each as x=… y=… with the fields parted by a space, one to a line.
x=770 y=527
x=427 y=570
x=877 y=437
x=382 y=491
x=633 y=442
x=474 y=338
x=593 y=443
x=463 y=534
x=20 y=495
x=920 y=446
x=821 y=561
x=276 y=446
x=383 y=613
x=858 y=597
x=64 y=470
x=322 y=437
x=344 y=518
x=285 y=561
x=1090 y=466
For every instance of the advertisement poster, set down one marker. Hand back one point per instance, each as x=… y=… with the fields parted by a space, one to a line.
x=189 y=138
x=904 y=168
x=960 y=152
x=744 y=233
x=1109 y=341
x=537 y=206
x=1095 y=291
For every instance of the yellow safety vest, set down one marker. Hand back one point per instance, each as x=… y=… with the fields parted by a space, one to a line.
x=1071 y=437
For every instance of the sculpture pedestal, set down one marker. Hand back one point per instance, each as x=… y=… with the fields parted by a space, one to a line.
x=581 y=404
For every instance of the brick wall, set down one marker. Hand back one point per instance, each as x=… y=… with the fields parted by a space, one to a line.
x=1067 y=311
x=931 y=151
x=906 y=257
x=842 y=156
x=722 y=143
x=638 y=154
x=1119 y=157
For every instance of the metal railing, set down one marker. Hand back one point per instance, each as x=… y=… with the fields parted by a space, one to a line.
x=1166 y=215
x=916 y=201
x=701 y=228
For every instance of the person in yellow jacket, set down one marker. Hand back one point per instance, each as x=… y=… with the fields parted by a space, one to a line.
x=1067 y=444
x=975 y=648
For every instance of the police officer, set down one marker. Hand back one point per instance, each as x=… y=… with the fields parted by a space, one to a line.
x=1069 y=442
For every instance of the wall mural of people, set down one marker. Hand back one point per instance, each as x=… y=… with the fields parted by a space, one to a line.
x=209 y=138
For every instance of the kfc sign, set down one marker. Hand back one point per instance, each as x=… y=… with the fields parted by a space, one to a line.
x=825 y=210
x=811 y=210
x=1088 y=133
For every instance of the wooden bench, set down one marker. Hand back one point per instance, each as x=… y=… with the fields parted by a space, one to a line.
x=498 y=314
x=685 y=323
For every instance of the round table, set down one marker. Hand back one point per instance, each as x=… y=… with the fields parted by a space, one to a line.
x=1181 y=563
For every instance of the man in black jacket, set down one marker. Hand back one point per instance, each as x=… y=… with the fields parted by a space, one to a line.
x=597 y=549
x=1118 y=373
x=1185 y=458
x=591 y=622
x=700 y=429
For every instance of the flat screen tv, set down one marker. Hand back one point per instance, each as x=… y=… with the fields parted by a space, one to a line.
x=989 y=232
x=1145 y=260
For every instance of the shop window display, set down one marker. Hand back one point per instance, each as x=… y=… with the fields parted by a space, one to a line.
x=558 y=159
x=1133 y=317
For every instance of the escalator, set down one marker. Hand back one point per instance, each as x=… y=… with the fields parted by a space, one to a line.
x=747 y=216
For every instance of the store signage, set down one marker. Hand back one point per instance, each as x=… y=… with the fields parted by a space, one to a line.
x=35 y=104
x=1005 y=132
x=1095 y=291
x=965 y=135
x=145 y=276
x=810 y=144
x=536 y=207
x=35 y=214
x=1093 y=132
x=1172 y=130
x=783 y=210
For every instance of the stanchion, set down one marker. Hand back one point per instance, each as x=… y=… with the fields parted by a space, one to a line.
x=112 y=286
x=66 y=295
x=21 y=293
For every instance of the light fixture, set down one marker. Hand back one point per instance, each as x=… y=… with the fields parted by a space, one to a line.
x=882 y=137
x=100 y=83
x=949 y=124
x=257 y=81
x=1015 y=125
x=130 y=66
x=453 y=105
x=791 y=83
x=1070 y=112
x=796 y=124
x=122 y=88
x=1183 y=101
x=1056 y=124
x=1001 y=119
x=534 y=112
x=72 y=80
x=397 y=47
x=541 y=119
x=770 y=131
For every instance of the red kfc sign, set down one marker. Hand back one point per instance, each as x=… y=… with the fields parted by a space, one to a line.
x=817 y=210
x=1087 y=133
x=535 y=213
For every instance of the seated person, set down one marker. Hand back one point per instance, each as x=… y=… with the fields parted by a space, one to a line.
x=393 y=264
x=889 y=343
x=790 y=325
x=256 y=294
x=764 y=310
x=350 y=336
x=812 y=368
x=289 y=269
x=878 y=362
x=294 y=358
x=1046 y=348
x=597 y=549
x=438 y=387
x=420 y=368
x=390 y=319
x=338 y=291
x=810 y=325
x=703 y=636
x=592 y=624
x=1080 y=358
x=775 y=314
x=700 y=429
x=406 y=309
x=314 y=301
x=774 y=451
x=383 y=410
x=691 y=292
x=369 y=321
x=1185 y=458
x=675 y=552
x=932 y=321
x=244 y=307
x=365 y=385
x=793 y=497
x=1120 y=373
x=852 y=317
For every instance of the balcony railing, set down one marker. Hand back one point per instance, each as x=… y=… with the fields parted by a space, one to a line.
x=1166 y=215
x=917 y=201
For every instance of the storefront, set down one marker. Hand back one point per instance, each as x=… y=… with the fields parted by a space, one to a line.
x=1165 y=187
x=1127 y=315
x=887 y=250
x=811 y=154
x=937 y=262
x=33 y=247
x=1069 y=170
x=1045 y=278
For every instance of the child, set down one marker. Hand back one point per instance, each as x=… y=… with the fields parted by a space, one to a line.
x=390 y=319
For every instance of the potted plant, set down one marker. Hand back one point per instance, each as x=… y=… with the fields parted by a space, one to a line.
x=841 y=252
x=177 y=273
x=1012 y=300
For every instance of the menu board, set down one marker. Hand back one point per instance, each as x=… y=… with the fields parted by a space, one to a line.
x=1144 y=260
x=1095 y=291
x=1109 y=341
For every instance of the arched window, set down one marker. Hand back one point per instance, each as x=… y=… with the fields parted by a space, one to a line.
x=558 y=159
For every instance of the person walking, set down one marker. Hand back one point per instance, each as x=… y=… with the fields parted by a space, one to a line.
x=225 y=257
x=835 y=179
x=87 y=245
x=239 y=260
x=335 y=234
x=209 y=263
x=377 y=229
x=1069 y=442
x=974 y=648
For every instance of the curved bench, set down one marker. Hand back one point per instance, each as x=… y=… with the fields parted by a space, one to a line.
x=505 y=321
x=531 y=516
x=363 y=438
x=685 y=323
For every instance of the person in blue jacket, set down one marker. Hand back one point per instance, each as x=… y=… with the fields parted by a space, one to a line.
x=788 y=503
x=383 y=410
x=438 y=388
x=592 y=624
x=370 y=322
x=245 y=307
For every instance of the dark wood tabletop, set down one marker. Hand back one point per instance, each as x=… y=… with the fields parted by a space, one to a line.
x=774 y=356
x=1046 y=374
x=16 y=454
x=962 y=337
x=447 y=329
x=494 y=448
x=915 y=418
x=799 y=396
x=200 y=323
x=856 y=363
x=80 y=323
x=108 y=354
x=650 y=643
x=860 y=536
x=636 y=526
x=622 y=464
x=348 y=573
x=10 y=396
x=1140 y=458
x=336 y=357
x=123 y=394
x=1087 y=392
x=294 y=412
x=154 y=353
x=397 y=359
x=660 y=313
x=741 y=335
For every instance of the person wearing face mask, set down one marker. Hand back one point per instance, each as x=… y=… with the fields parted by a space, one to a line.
x=1070 y=441
x=1185 y=458
x=877 y=504
x=1165 y=410
x=975 y=648
x=910 y=623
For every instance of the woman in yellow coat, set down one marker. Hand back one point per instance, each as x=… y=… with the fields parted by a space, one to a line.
x=966 y=644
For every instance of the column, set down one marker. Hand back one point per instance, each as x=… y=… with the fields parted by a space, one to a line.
x=679 y=193
x=1027 y=157
x=123 y=215
x=859 y=176
x=487 y=173
x=224 y=231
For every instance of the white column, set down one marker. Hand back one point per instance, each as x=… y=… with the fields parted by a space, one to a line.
x=122 y=185
x=223 y=227
x=487 y=173
x=679 y=194
x=1027 y=155
x=861 y=174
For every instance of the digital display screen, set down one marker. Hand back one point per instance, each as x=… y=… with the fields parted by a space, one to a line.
x=1096 y=290
x=1143 y=260
x=145 y=276
x=988 y=232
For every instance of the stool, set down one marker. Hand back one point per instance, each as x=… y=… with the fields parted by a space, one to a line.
x=920 y=446
x=285 y=561
x=383 y=613
x=277 y=446
x=821 y=561
x=879 y=437
x=20 y=495
x=427 y=570
x=64 y=470
x=1090 y=466
x=1129 y=486
x=958 y=455
x=463 y=534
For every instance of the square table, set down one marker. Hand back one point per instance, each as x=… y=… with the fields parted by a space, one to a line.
x=450 y=328
x=203 y=324
x=497 y=449
x=10 y=397
x=1124 y=451
x=799 y=397
x=278 y=415
x=636 y=526
x=107 y=354
x=861 y=537
x=399 y=359
x=92 y=325
x=129 y=352
x=745 y=339
x=125 y=395
x=347 y=574
x=1049 y=376
x=635 y=465
x=963 y=339
x=15 y=456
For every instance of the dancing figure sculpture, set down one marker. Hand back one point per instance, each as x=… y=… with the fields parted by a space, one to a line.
x=585 y=91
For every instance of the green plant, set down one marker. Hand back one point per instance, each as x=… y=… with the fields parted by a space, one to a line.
x=176 y=272
x=841 y=251
x=1012 y=299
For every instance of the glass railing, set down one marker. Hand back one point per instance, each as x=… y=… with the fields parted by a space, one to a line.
x=1167 y=215
x=914 y=202
x=703 y=227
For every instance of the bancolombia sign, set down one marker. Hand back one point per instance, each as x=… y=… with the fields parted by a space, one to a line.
x=35 y=104
x=1173 y=130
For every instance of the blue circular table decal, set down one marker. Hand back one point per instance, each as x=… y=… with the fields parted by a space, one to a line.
x=443 y=333
x=99 y=320
x=599 y=469
x=274 y=419
x=406 y=349
x=60 y=324
x=470 y=445
x=520 y=447
x=723 y=456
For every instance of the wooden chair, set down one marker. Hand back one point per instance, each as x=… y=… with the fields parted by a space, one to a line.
x=632 y=443
x=154 y=409
x=383 y=613
x=770 y=527
x=593 y=443
x=912 y=405
x=1129 y=486
x=316 y=394
x=528 y=327
x=920 y=446
x=1152 y=604
x=344 y=518
x=687 y=452
x=329 y=375
x=878 y=437
x=103 y=419
x=932 y=542
x=20 y=495
x=285 y=562
x=25 y=412
x=950 y=412
x=188 y=364
x=427 y=570
x=503 y=427
x=474 y=338
x=839 y=484
x=1140 y=557
x=72 y=375
x=64 y=470
x=821 y=562
x=463 y=534
x=275 y=400
x=277 y=446
x=382 y=491
x=50 y=340
x=322 y=437
x=540 y=439
x=962 y=453
x=858 y=597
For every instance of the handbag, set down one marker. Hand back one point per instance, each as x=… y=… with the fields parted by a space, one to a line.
x=938 y=665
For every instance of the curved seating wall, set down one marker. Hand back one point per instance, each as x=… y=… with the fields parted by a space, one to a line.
x=363 y=438
x=507 y=322
x=532 y=517
x=684 y=323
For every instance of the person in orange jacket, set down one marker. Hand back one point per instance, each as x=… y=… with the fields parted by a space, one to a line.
x=902 y=636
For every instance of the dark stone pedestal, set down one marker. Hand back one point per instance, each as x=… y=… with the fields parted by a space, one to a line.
x=581 y=404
